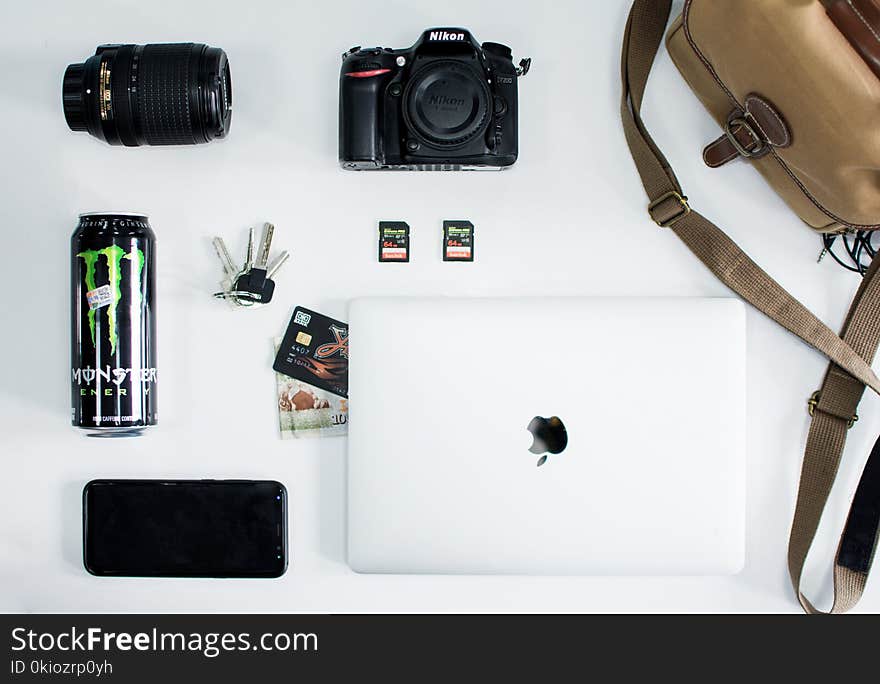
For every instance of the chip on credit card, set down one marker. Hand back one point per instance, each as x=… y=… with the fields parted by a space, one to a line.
x=315 y=350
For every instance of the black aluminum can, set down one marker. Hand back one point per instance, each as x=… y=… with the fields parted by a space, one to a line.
x=113 y=317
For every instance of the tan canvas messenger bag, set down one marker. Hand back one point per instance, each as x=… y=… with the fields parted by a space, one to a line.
x=795 y=88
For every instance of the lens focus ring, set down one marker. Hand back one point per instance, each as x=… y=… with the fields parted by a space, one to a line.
x=164 y=82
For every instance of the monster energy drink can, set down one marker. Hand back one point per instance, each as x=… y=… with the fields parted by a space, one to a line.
x=113 y=315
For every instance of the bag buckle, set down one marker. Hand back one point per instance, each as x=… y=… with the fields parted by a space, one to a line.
x=742 y=122
x=813 y=404
x=681 y=207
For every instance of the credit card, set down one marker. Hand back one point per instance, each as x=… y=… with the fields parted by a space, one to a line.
x=315 y=350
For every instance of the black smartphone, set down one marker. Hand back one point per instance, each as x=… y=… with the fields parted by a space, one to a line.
x=185 y=528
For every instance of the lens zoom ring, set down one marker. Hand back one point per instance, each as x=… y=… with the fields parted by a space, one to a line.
x=120 y=105
x=163 y=94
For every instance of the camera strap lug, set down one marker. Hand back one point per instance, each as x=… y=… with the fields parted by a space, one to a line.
x=524 y=66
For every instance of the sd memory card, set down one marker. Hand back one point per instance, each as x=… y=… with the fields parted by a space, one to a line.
x=458 y=241
x=393 y=241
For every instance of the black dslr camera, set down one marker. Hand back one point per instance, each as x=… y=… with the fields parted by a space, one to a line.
x=446 y=103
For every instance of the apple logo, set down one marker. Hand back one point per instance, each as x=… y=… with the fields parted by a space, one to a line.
x=549 y=435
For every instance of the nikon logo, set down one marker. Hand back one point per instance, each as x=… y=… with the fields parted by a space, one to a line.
x=442 y=100
x=445 y=35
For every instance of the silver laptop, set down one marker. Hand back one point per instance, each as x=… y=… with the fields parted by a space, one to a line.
x=547 y=436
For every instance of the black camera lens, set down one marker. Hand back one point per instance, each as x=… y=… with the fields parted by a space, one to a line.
x=159 y=94
x=447 y=103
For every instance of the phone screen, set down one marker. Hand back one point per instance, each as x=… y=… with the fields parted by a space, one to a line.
x=185 y=528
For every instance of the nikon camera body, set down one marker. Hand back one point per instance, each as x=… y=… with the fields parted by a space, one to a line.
x=446 y=103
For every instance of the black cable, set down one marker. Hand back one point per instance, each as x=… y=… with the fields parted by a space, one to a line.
x=829 y=241
x=859 y=248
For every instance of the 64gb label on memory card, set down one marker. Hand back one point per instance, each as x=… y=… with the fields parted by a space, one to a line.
x=315 y=350
x=458 y=241
x=393 y=241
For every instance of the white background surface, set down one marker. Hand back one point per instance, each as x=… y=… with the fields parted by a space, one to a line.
x=569 y=219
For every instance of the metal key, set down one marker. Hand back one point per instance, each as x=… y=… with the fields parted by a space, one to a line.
x=276 y=265
x=253 y=280
x=241 y=282
x=265 y=246
x=223 y=254
x=252 y=284
x=230 y=272
x=249 y=260
x=268 y=288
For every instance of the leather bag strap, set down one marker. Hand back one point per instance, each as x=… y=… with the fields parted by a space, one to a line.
x=834 y=406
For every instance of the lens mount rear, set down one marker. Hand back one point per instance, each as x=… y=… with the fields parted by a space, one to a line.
x=72 y=91
x=447 y=103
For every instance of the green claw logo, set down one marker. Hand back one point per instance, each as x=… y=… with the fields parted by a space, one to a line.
x=114 y=254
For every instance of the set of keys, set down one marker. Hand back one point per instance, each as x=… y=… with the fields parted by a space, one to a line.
x=253 y=284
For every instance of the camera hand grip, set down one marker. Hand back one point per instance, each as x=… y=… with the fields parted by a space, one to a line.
x=360 y=102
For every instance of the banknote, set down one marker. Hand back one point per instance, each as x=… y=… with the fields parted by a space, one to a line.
x=308 y=411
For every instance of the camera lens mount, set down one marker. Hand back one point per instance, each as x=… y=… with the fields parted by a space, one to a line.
x=447 y=103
